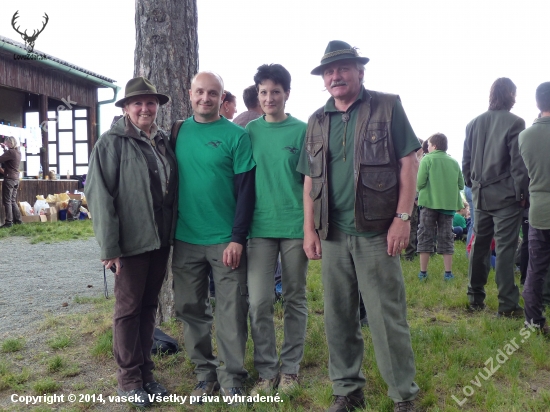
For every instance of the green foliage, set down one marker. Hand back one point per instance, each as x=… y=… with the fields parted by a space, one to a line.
x=50 y=232
x=45 y=385
x=55 y=364
x=60 y=341
x=12 y=345
x=103 y=347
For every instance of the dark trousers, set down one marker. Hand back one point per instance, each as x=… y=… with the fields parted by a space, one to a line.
x=539 y=261
x=410 y=251
x=503 y=225
x=9 y=200
x=524 y=251
x=137 y=289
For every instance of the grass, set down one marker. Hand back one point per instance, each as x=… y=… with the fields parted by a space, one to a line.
x=60 y=341
x=451 y=349
x=12 y=345
x=51 y=232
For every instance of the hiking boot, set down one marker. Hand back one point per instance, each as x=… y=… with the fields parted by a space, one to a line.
x=6 y=225
x=476 y=307
x=448 y=276
x=205 y=388
x=407 y=406
x=422 y=276
x=289 y=381
x=136 y=397
x=155 y=388
x=265 y=385
x=516 y=313
x=236 y=394
x=347 y=403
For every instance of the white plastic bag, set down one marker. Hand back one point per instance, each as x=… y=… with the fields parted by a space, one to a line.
x=39 y=205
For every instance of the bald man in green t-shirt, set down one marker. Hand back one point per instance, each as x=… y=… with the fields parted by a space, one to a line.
x=216 y=202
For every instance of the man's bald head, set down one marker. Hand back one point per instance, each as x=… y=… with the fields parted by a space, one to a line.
x=210 y=74
x=206 y=96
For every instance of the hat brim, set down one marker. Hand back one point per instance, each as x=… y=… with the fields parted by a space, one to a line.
x=319 y=69
x=163 y=99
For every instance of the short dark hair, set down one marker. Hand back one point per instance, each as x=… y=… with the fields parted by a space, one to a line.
x=502 y=95
x=250 y=97
x=274 y=72
x=439 y=140
x=229 y=97
x=543 y=97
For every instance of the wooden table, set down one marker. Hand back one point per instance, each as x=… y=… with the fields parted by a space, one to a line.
x=30 y=188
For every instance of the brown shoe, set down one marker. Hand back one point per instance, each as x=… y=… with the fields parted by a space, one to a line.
x=347 y=403
x=205 y=388
x=289 y=381
x=265 y=385
x=517 y=313
x=407 y=406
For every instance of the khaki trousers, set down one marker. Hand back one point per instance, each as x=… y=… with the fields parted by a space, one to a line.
x=262 y=259
x=352 y=264
x=191 y=266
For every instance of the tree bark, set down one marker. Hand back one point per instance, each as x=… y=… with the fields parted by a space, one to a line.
x=167 y=53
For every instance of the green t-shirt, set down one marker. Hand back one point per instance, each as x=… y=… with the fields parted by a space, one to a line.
x=458 y=220
x=209 y=156
x=341 y=193
x=279 y=210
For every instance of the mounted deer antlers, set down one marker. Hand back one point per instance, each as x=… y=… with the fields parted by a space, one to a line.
x=29 y=40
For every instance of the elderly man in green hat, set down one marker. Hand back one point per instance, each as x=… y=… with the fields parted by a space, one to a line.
x=360 y=171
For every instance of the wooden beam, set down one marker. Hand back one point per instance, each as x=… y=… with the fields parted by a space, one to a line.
x=43 y=117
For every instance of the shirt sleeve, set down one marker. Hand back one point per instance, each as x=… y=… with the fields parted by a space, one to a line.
x=242 y=155
x=246 y=199
x=303 y=163
x=404 y=138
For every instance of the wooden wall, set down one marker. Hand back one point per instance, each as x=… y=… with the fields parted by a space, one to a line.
x=40 y=79
x=29 y=189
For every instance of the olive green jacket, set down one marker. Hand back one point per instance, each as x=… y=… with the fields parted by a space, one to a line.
x=491 y=163
x=119 y=196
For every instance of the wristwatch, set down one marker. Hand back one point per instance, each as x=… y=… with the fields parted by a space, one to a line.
x=403 y=216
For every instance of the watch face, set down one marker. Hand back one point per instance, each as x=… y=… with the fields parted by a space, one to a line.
x=405 y=216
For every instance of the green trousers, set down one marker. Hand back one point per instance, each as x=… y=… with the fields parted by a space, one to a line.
x=352 y=264
x=503 y=225
x=190 y=266
x=262 y=258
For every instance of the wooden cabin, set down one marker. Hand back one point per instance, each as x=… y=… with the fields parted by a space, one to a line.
x=52 y=107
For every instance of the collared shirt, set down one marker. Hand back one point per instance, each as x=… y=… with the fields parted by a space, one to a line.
x=157 y=143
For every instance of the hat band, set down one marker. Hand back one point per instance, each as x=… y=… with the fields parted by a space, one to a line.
x=339 y=52
x=142 y=92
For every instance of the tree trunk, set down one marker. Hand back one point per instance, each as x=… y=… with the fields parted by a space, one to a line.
x=167 y=53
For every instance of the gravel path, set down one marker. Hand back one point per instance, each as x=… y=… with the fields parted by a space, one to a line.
x=45 y=278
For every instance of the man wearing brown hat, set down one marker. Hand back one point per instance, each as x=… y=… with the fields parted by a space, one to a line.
x=360 y=171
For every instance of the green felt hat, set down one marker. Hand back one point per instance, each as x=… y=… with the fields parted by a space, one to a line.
x=141 y=86
x=338 y=50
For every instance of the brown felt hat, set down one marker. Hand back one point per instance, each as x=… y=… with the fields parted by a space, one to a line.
x=141 y=86
x=338 y=50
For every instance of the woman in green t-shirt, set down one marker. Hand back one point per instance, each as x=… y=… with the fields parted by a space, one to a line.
x=277 y=228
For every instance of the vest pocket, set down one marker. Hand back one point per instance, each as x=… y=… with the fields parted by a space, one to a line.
x=380 y=194
x=315 y=158
x=315 y=196
x=375 y=147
